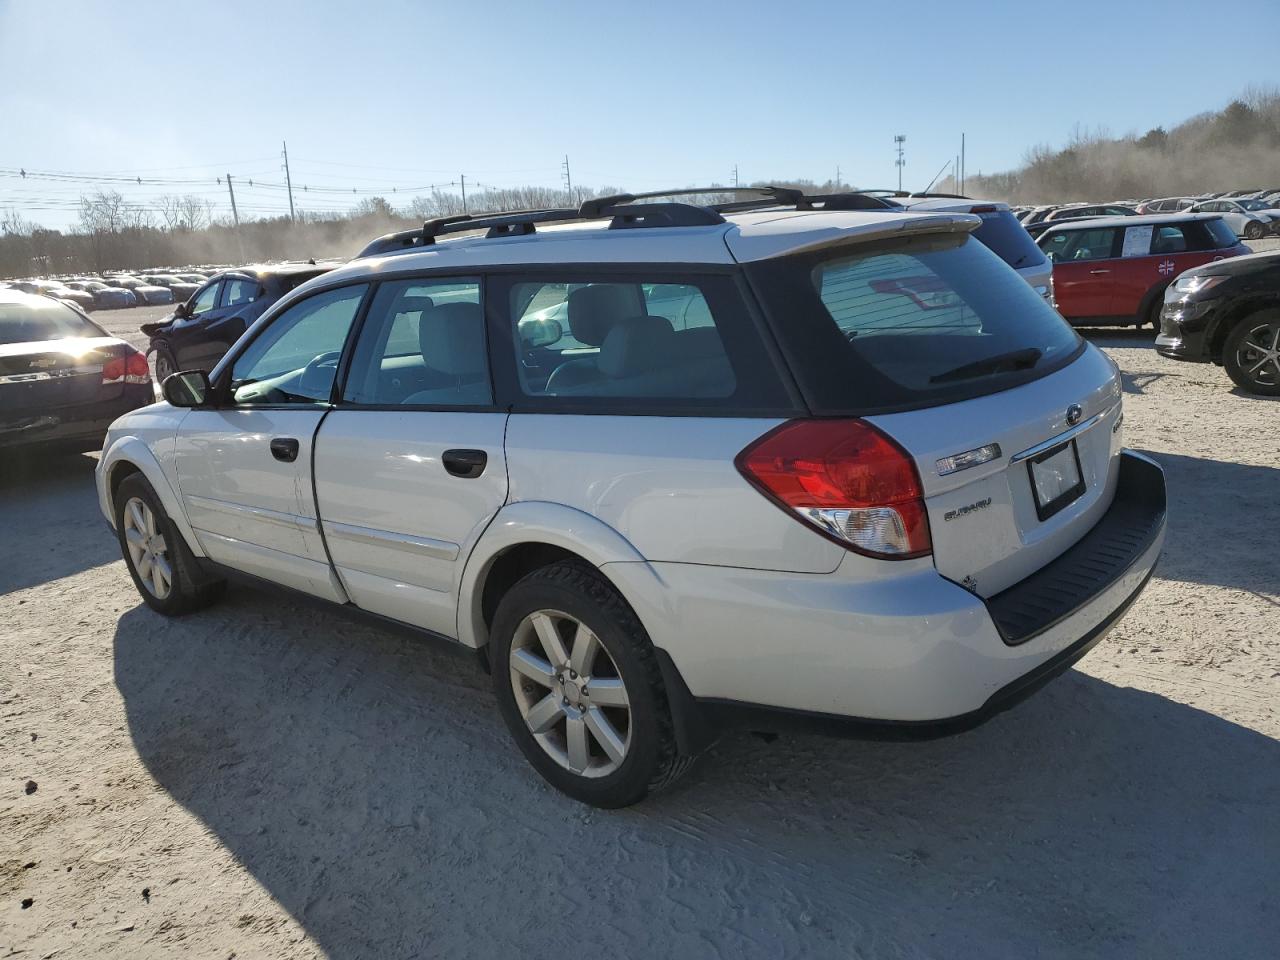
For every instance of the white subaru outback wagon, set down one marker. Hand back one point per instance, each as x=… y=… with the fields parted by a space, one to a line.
x=670 y=468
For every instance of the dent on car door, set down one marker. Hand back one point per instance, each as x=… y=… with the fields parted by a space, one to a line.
x=410 y=466
x=244 y=464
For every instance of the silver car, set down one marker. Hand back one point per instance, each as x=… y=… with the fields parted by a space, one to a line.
x=666 y=469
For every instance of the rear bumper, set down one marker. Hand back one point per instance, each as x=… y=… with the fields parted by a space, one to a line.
x=913 y=655
x=84 y=425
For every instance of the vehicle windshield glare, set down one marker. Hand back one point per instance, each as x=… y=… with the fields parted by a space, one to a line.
x=41 y=319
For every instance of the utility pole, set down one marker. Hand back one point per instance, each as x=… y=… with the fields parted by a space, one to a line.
x=961 y=190
x=568 y=180
x=463 y=178
x=288 y=182
x=235 y=215
x=735 y=174
x=901 y=162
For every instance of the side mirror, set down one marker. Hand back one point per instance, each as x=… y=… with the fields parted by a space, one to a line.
x=180 y=312
x=187 y=388
x=540 y=332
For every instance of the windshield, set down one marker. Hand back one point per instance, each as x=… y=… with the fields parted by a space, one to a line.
x=1254 y=205
x=33 y=319
x=915 y=323
x=1001 y=232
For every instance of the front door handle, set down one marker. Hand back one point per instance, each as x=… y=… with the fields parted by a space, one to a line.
x=467 y=464
x=1096 y=272
x=285 y=449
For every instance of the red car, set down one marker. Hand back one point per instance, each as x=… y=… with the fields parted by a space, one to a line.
x=1112 y=271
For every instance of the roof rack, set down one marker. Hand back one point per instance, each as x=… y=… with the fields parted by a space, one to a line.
x=621 y=208
x=624 y=213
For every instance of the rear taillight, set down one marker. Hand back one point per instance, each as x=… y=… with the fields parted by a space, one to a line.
x=847 y=480
x=129 y=368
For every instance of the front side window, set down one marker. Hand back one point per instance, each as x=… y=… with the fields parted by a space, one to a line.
x=204 y=301
x=634 y=339
x=1072 y=245
x=295 y=359
x=423 y=344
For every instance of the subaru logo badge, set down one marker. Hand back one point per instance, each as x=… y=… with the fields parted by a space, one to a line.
x=1074 y=413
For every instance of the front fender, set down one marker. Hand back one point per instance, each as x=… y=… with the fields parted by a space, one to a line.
x=132 y=450
x=554 y=524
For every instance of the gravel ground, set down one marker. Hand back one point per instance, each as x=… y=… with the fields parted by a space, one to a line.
x=265 y=780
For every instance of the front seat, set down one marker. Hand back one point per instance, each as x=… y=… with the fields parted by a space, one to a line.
x=451 y=337
x=592 y=312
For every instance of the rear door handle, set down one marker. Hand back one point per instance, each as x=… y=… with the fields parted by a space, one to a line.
x=467 y=464
x=1096 y=272
x=285 y=449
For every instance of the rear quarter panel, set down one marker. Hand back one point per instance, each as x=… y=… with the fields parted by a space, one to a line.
x=666 y=484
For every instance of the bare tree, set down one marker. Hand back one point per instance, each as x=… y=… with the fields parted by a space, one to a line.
x=104 y=212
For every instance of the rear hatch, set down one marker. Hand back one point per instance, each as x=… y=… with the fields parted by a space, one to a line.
x=1010 y=418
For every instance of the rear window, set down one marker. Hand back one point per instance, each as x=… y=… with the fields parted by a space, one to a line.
x=1221 y=233
x=1007 y=239
x=910 y=324
x=41 y=319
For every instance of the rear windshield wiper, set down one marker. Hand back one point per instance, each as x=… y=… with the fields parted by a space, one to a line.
x=1023 y=359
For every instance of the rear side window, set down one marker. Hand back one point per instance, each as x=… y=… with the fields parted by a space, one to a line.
x=237 y=291
x=1170 y=238
x=1001 y=232
x=638 y=344
x=909 y=324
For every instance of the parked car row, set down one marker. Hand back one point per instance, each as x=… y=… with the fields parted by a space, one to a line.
x=1253 y=214
x=115 y=291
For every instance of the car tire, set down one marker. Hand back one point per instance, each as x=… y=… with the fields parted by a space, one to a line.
x=1252 y=230
x=1153 y=313
x=151 y=546
x=1245 y=353
x=545 y=669
x=165 y=363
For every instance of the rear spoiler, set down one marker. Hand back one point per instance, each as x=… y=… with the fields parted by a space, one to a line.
x=904 y=226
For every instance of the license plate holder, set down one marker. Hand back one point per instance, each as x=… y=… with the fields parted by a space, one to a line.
x=1056 y=478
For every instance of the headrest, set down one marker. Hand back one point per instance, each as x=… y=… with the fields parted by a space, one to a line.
x=595 y=309
x=637 y=345
x=414 y=304
x=451 y=337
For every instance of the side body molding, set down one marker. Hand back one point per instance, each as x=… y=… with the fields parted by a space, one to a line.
x=540 y=522
x=135 y=451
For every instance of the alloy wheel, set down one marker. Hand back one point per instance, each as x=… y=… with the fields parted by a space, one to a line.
x=147 y=548
x=570 y=693
x=1258 y=354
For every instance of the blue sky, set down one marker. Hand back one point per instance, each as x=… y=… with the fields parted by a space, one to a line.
x=395 y=93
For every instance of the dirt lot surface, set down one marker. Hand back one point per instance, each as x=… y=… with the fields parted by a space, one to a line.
x=265 y=780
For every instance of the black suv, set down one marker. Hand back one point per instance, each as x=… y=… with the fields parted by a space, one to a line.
x=200 y=331
x=1228 y=312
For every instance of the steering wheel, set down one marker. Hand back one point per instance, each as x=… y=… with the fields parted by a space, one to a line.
x=317 y=375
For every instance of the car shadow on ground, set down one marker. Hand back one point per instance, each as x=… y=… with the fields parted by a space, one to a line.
x=52 y=527
x=1199 y=548
x=366 y=781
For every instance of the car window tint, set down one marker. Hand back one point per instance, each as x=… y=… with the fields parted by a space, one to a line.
x=423 y=343
x=1169 y=238
x=295 y=359
x=237 y=291
x=1072 y=245
x=205 y=300
x=626 y=340
x=39 y=318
